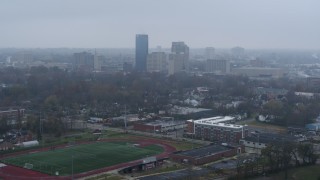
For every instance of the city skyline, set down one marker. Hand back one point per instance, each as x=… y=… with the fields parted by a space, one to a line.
x=287 y=24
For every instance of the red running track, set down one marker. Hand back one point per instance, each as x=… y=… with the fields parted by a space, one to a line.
x=10 y=172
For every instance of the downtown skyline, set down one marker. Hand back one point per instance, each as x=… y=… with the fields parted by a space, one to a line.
x=288 y=24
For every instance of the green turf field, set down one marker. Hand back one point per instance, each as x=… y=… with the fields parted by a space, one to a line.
x=86 y=157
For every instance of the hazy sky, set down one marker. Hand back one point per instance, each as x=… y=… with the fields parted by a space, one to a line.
x=200 y=23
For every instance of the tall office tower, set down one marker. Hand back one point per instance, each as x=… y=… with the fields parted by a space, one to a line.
x=209 y=53
x=180 y=48
x=179 y=58
x=141 y=52
x=83 y=61
x=218 y=66
x=237 y=52
x=97 y=62
x=157 y=62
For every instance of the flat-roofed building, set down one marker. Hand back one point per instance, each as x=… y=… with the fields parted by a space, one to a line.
x=259 y=72
x=83 y=61
x=159 y=126
x=157 y=62
x=206 y=154
x=258 y=141
x=179 y=58
x=12 y=116
x=217 y=129
x=218 y=66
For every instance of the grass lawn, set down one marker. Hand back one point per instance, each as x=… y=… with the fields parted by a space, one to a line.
x=86 y=157
x=307 y=173
x=177 y=144
x=304 y=173
x=265 y=126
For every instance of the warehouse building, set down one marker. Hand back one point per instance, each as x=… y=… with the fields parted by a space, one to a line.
x=206 y=154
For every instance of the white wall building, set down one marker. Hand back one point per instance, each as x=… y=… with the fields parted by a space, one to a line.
x=209 y=53
x=97 y=61
x=217 y=129
x=218 y=66
x=179 y=58
x=157 y=62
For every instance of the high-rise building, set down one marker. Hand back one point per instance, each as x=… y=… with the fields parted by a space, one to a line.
x=83 y=61
x=218 y=66
x=141 y=52
x=209 y=53
x=157 y=62
x=179 y=57
x=237 y=52
x=97 y=62
x=180 y=48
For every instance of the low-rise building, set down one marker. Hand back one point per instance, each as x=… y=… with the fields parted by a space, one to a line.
x=258 y=141
x=217 y=129
x=313 y=126
x=259 y=72
x=159 y=126
x=12 y=116
x=206 y=154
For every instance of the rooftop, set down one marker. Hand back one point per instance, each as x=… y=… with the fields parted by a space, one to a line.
x=164 y=123
x=221 y=121
x=204 y=151
x=267 y=138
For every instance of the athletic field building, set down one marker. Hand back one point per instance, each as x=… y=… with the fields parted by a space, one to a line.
x=217 y=129
x=144 y=165
x=159 y=126
x=206 y=154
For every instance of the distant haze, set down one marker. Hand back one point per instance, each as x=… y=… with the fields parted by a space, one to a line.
x=200 y=23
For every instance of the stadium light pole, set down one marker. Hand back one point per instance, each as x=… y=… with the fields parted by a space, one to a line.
x=72 y=167
x=194 y=132
x=125 y=118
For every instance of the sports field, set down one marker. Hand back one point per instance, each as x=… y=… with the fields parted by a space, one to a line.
x=85 y=157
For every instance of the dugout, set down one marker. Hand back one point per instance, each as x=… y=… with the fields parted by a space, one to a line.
x=29 y=144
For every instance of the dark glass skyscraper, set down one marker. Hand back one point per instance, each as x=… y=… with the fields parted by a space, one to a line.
x=141 y=52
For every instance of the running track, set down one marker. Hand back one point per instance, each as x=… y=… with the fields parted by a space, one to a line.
x=10 y=172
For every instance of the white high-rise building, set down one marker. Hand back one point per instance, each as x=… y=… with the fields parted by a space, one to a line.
x=97 y=62
x=209 y=53
x=218 y=66
x=179 y=58
x=157 y=62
